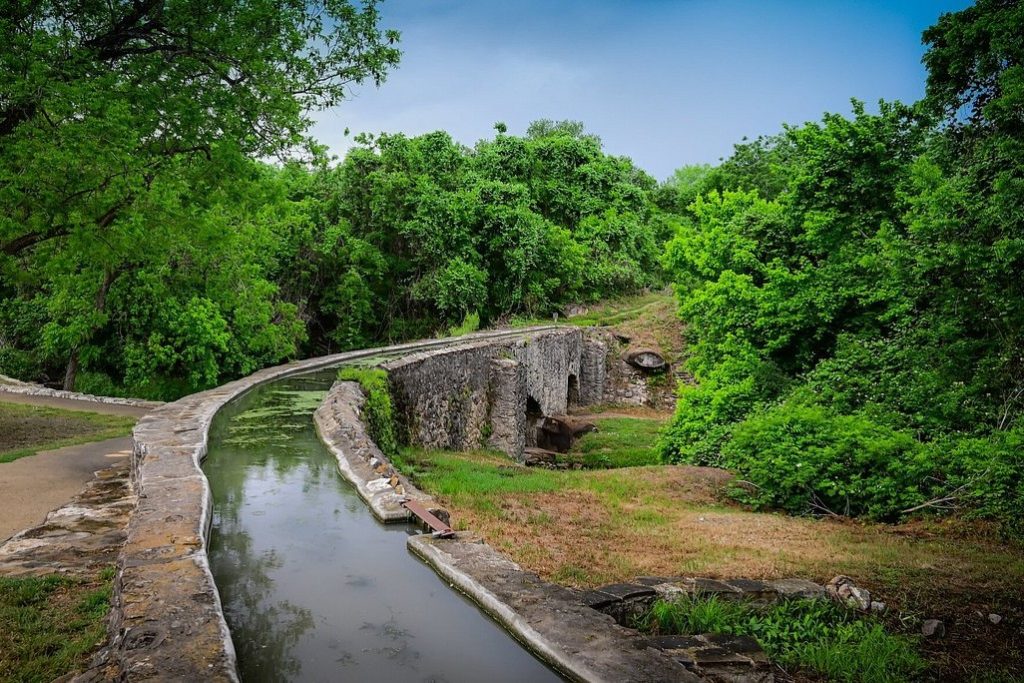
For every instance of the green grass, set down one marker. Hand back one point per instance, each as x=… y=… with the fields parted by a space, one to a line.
x=605 y=313
x=620 y=442
x=50 y=625
x=464 y=477
x=811 y=636
x=27 y=430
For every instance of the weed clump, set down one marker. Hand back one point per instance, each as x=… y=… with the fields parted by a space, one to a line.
x=812 y=636
x=377 y=411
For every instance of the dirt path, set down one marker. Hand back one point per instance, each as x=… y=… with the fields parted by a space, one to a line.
x=31 y=487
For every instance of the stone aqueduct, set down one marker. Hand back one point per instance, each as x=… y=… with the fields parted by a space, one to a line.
x=477 y=390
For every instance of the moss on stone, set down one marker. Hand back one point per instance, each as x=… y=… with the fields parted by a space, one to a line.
x=377 y=411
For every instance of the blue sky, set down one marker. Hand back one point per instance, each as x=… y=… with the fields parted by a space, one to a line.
x=664 y=82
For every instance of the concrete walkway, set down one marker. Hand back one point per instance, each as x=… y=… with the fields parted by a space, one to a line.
x=32 y=486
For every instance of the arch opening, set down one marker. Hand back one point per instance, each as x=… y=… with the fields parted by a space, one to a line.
x=572 y=394
x=534 y=419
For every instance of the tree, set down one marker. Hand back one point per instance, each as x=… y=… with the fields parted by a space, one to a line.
x=100 y=100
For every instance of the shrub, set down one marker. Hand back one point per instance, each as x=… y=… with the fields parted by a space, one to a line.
x=987 y=475
x=471 y=323
x=803 y=458
x=706 y=413
x=377 y=410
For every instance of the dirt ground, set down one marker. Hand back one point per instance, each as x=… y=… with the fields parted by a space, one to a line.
x=19 y=431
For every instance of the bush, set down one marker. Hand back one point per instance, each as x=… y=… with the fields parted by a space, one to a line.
x=706 y=413
x=809 y=635
x=988 y=477
x=471 y=323
x=803 y=458
x=377 y=410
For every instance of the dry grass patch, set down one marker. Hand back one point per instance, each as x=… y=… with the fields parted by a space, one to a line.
x=585 y=527
x=26 y=430
x=590 y=527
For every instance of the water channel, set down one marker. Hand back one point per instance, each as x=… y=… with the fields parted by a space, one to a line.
x=313 y=587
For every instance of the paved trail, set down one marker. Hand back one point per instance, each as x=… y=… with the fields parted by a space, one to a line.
x=31 y=487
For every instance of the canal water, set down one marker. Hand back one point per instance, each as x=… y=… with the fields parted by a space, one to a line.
x=313 y=587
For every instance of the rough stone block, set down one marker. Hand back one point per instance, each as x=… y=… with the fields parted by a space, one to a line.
x=797 y=588
x=675 y=642
x=627 y=591
x=712 y=587
x=598 y=600
x=171 y=625
x=169 y=521
x=506 y=392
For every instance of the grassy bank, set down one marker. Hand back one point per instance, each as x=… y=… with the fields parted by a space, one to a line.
x=26 y=430
x=589 y=527
x=619 y=442
x=49 y=626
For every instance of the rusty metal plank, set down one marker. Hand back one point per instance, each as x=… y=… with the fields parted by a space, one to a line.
x=417 y=508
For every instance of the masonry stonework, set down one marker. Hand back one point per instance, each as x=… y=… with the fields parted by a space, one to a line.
x=476 y=394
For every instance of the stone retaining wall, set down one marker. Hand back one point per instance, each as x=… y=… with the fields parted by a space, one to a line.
x=614 y=381
x=340 y=426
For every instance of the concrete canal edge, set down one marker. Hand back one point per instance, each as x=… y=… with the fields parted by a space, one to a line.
x=340 y=427
x=551 y=621
x=167 y=620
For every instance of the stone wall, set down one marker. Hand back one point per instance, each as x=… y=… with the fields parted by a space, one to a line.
x=476 y=394
x=613 y=381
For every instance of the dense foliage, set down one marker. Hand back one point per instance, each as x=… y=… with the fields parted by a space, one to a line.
x=854 y=296
x=411 y=235
x=146 y=248
x=121 y=126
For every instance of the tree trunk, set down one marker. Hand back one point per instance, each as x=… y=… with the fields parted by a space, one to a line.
x=69 y=374
x=101 y=303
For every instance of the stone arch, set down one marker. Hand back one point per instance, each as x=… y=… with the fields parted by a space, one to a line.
x=534 y=419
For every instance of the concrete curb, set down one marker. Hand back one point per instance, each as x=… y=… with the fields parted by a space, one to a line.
x=341 y=429
x=513 y=622
x=580 y=643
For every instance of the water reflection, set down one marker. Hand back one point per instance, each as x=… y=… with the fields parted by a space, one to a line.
x=313 y=587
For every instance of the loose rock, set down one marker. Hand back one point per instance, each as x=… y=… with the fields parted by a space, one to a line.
x=558 y=432
x=995 y=618
x=933 y=628
x=844 y=590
